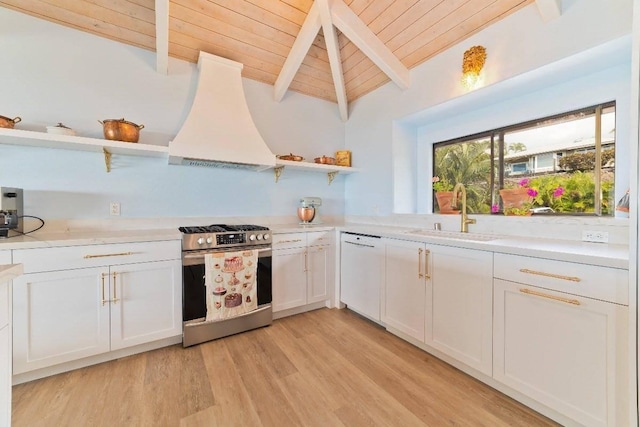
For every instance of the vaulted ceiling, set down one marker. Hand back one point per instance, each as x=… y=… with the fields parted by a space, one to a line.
x=261 y=33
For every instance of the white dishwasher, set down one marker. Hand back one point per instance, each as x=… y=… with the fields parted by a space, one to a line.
x=361 y=273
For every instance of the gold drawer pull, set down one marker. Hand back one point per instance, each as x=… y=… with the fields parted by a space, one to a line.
x=420 y=275
x=115 y=286
x=106 y=255
x=289 y=241
x=553 y=297
x=555 y=276
x=104 y=301
x=426 y=264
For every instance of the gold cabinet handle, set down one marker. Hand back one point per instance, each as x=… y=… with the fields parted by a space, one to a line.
x=107 y=255
x=553 y=297
x=104 y=301
x=305 y=261
x=555 y=276
x=289 y=241
x=115 y=296
x=420 y=275
x=427 y=252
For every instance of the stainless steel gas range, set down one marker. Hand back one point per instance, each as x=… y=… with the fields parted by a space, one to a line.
x=217 y=240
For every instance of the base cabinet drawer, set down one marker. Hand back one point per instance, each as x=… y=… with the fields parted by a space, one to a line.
x=591 y=281
x=70 y=257
x=320 y=238
x=566 y=352
x=289 y=240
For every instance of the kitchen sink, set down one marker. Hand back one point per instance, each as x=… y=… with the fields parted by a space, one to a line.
x=454 y=235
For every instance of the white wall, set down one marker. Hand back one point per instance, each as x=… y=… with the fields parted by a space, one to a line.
x=53 y=74
x=515 y=46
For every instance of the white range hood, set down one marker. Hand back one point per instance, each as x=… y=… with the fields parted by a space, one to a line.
x=219 y=130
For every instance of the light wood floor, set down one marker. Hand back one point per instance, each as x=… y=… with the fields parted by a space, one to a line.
x=322 y=368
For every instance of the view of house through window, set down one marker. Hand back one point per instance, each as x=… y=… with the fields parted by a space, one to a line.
x=563 y=164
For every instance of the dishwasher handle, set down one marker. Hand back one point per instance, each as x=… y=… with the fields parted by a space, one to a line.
x=359 y=244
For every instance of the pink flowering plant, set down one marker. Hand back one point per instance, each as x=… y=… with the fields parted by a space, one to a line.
x=542 y=192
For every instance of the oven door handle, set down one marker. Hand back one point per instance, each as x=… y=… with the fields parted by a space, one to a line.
x=261 y=253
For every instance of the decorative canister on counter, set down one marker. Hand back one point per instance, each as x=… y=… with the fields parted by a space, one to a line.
x=343 y=158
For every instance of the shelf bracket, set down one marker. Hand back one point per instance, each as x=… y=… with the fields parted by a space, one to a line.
x=107 y=159
x=332 y=176
x=278 y=171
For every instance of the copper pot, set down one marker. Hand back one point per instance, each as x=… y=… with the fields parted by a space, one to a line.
x=292 y=157
x=325 y=160
x=6 y=122
x=121 y=130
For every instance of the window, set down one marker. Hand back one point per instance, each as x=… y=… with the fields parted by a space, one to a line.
x=553 y=158
x=544 y=162
x=518 y=168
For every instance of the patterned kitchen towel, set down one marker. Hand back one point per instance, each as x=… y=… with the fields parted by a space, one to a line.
x=231 y=286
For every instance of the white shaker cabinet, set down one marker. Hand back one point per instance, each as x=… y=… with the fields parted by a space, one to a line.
x=289 y=278
x=59 y=316
x=320 y=262
x=5 y=345
x=459 y=304
x=5 y=376
x=150 y=301
x=441 y=296
x=361 y=273
x=560 y=336
x=303 y=269
x=95 y=299
x=404 y=302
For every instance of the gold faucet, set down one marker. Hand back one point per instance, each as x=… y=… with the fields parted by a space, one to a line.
x=464 y=219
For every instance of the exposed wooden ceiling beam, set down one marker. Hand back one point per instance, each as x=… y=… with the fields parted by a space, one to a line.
x=162 y=36
x=549 y=9
x=333 y=50
x=301 y=45
x=361 y=36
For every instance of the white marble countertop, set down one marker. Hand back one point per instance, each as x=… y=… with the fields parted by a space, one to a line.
x=93 y=237
x=9 y=272
x=297 y=228
x=607 y=255
x=602 y=254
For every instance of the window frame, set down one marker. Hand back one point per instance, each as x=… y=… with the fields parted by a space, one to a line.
x=497 y=136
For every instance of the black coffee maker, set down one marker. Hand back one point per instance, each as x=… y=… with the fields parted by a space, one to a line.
x=11 y=206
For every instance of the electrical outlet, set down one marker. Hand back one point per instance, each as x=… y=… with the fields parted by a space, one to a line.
x=595 y=236
x=114 y=209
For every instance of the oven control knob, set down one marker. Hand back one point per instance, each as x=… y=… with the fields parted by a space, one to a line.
x=266 y=237
x=209 y=240
x=200 y=241
x=259 y=237
x=252 y=237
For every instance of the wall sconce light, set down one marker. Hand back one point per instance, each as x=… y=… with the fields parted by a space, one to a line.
x=472 y=64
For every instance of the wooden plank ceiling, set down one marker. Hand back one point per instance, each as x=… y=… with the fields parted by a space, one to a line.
x=260 y=33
